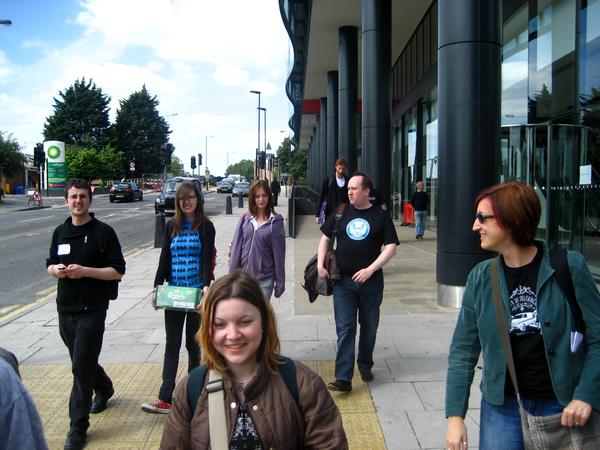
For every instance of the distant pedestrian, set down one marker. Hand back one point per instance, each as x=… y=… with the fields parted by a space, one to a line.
x=258 y=244
x=85 y=256
x=419 y=202
x=361 y=232
x=185 y=260
x=275 y=189
x=333 y=192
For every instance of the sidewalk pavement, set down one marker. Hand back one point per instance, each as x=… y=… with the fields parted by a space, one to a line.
x=403 y=408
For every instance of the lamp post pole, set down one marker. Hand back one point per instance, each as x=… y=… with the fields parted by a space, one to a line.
x=258 y=146
x=228 y=153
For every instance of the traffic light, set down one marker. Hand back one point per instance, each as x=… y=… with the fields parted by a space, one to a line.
x=262 y=156
x=199 y=159
x=163 y=154
x=39 y=157
x=169 y=153
x=193 y=162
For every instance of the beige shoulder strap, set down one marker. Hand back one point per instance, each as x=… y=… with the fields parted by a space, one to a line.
x=217 y=422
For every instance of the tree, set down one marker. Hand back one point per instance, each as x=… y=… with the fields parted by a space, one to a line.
x=11 y=159
x=297 y=166
x=81 y=117
x=176 y=166
x=139 y=132
x=245 y=167
x=91 y=164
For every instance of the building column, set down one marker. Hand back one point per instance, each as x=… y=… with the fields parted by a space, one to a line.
x=348 y=97
x=332 y=120
x=470 y=87
x=377 y=93
x=323 y=169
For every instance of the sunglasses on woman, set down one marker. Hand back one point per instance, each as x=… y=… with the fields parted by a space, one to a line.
x=482 y=218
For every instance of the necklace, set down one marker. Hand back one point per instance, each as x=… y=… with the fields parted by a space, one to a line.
x=240 y=386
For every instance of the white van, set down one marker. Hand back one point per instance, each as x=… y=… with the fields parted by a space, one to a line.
x=235 y=177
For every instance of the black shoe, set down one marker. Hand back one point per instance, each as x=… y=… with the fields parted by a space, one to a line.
x=75 y=440
x=366 y=376
x=100 y=401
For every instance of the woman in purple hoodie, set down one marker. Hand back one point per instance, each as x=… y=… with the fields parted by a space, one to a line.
x=258 y=244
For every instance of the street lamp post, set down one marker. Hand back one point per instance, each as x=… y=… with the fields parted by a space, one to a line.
x=206 y=155
x=258 y=146
x=228 y=153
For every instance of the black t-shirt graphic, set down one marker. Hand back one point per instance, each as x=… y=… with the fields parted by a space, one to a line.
x=525 y=331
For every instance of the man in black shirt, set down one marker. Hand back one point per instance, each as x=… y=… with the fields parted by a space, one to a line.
x=333 y=192
x=85 y=255
x=419 y=201
x=360 y=232
x=275 y=189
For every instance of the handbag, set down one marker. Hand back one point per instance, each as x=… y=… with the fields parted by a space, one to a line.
x=542 y=432
x=331 y=264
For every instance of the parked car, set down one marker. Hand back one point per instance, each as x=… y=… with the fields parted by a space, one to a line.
x=241 y=188
x=125 y=191
x=224 y=186
x=165 y=203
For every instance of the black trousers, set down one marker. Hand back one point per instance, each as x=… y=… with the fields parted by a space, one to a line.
x=174 y=321
x=82 y=333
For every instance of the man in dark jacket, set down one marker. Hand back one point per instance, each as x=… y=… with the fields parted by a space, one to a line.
x=85 y=255
x=275 y=189
x=334 y=191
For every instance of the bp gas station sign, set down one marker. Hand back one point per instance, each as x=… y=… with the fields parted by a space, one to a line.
x=58 y=173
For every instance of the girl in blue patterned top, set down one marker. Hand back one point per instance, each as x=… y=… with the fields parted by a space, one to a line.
x=185 y=260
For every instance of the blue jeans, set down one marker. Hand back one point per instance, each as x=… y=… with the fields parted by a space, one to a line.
x=420 y=217
x=82 y=333
x=350 y=298
x=501 y=425
x=267 y=287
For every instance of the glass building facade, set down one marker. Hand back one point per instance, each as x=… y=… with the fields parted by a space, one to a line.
x=550 y=115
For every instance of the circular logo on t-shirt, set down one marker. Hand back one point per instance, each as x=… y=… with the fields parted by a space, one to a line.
x=358 y=229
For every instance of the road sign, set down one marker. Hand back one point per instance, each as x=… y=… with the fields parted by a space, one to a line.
x=207 y=172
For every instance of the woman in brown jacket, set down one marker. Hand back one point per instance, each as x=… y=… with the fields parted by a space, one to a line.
x=239 y=338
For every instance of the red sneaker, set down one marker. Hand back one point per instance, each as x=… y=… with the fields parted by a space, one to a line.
x=158 y=407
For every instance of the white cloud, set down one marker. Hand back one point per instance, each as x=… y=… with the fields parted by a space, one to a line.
x=230 y=76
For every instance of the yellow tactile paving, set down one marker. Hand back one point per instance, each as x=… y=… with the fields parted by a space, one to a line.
x=125 y=426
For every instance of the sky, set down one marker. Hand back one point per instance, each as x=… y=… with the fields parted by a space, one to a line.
x=199 y=58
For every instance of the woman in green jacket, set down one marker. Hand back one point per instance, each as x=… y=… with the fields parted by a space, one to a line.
x=553 y=375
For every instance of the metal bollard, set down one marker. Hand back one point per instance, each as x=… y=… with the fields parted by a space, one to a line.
x=228 y=209
x=159 y=230
x=240 y=201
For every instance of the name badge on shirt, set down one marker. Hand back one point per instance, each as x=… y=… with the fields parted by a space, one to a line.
x=64 y=249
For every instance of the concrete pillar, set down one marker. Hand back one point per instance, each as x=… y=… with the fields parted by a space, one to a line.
x=377 y=93
x=348 y=97
x=332 y=119
x=469 y=86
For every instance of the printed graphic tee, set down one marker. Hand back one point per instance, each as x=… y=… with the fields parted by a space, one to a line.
x=360 y=235
x=186 y=252
x=531 y=366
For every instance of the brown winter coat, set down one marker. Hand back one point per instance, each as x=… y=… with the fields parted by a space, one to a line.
x=281 y=423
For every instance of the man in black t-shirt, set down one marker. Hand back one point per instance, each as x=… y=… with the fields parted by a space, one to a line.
x=85 y=255
x=361 y=232
x=333 y=192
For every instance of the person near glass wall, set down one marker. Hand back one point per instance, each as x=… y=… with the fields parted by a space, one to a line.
x=554 y=375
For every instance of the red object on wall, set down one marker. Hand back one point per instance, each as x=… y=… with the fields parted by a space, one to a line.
x=409 y=213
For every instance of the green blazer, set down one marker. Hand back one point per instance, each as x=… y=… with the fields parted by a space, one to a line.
x=574 y=376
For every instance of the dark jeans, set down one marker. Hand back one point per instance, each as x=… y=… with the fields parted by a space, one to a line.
x=350 y=298
x=173 y=327
x=82 y=333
